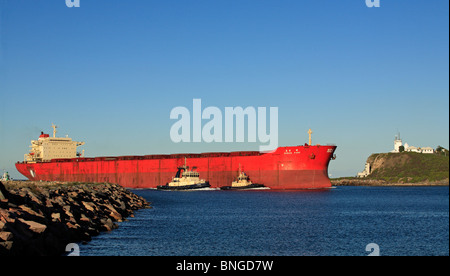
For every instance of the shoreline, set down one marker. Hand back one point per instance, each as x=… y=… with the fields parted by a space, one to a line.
x=382 y=183
x=42 y=218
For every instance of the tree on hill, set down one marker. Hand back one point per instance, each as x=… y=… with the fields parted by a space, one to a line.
x=442 y=150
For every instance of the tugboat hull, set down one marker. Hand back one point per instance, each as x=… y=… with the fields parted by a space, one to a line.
x=183 y=188
x=251 y=186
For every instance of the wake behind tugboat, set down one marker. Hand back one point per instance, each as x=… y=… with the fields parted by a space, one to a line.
x=247 y=187
x=184 y=187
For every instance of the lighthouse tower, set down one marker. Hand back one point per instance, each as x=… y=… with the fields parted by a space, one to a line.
x=397 y=143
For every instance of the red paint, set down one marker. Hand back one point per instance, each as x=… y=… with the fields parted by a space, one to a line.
x=299 y=167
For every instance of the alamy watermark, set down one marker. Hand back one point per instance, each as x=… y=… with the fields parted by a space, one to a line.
x=72 y=249
x=373 y=3
x=373 y=248
x=213 y=131
x=73 y=3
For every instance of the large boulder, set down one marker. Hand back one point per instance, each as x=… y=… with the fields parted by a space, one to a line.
x=3 y=192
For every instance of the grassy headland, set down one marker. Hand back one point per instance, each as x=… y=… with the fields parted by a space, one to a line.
x=406 y=168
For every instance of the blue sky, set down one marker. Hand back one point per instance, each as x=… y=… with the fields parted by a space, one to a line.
x=109 y=73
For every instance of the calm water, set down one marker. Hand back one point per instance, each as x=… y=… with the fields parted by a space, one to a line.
x=340 y=221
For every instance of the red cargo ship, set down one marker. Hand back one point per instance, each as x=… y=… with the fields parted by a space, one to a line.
x=296 y=167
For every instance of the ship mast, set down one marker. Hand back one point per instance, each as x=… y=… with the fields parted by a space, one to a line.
x=54 y=130
x=310 y=132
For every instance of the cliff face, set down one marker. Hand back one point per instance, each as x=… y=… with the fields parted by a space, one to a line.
x=408 y=167
x=381 y=161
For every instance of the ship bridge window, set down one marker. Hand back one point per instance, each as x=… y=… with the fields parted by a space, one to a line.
x=190 y=174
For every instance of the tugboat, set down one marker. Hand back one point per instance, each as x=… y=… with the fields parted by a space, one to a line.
x=242 y=182
x=185 y=179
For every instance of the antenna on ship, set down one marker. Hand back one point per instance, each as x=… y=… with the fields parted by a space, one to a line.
x=309 y=132
x=54 y=130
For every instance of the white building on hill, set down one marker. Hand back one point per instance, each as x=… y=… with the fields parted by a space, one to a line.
x=398 y=143
x=427 y=150
x=366 y=171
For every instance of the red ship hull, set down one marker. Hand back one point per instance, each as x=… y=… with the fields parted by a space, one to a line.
x=299 y=167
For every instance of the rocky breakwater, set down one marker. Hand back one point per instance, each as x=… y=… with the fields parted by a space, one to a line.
x=42 y=218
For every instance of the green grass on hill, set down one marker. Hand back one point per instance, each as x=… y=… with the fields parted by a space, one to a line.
x=409 y=167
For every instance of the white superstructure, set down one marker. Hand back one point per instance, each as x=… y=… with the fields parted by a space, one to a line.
x=186 y=177
x=242 y=180
x=47 y=148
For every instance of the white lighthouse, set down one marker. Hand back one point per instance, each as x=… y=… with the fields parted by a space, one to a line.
x=397 y=143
